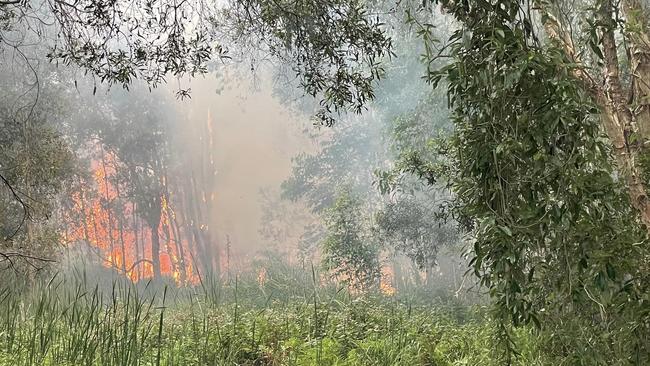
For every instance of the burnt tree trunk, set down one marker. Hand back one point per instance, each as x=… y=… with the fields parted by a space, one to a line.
x=153 y=214
x=155 y=250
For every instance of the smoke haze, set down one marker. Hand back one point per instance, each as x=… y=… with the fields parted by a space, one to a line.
x=254 y=139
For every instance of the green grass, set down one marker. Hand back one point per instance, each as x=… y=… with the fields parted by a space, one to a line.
x=287 y=321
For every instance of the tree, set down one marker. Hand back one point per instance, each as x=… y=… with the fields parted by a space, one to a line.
x=351 y=256
x=36 y=164
x=559 y=232
x=335 y=46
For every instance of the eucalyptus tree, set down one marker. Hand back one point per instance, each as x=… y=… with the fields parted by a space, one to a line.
x=546 y=162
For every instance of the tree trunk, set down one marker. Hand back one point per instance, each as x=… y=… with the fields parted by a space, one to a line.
x=153 y=219
x=155 y=251
x=109 y=209
x=136 y=235
x=622 y=126
x=179 y=248
x=201 y=226
x=625 y=114
x=120 y=223
x=175 y=240
x=398 y=276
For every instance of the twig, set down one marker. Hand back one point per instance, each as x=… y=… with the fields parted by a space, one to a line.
x=19 y=200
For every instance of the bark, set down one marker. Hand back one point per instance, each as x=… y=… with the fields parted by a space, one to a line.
x=179 y=247
x=638 y=52
x=109 y=209
x=619 y=121
x=120 y=223
x=208 y=182
x=193 y=220
x=153 y=219
x=187 y=225
x=155 y=251
x=136 y=235
x=202 y=209
x=175 y=235
x=626 y=129
x=85 y=218
x=398 y=276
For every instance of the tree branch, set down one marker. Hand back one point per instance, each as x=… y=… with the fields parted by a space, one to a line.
x=613 y=86
x=24 y=205
x=557 y=33
x=10 y=257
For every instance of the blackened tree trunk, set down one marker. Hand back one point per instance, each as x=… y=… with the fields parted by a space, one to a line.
x=153 y=215
x=155 y=250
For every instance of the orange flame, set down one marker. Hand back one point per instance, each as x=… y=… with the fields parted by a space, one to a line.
x=386 y=281
x=106 y=220
x=261 y=276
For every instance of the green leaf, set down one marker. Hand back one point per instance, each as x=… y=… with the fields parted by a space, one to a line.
x=611 y=272
x=506 y=230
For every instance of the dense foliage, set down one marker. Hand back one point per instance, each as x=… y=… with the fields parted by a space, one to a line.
x=351 y=256
x=36 y=164
x=334 y=47
x=555 y=236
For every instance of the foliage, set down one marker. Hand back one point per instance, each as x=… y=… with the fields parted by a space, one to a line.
x=352 y=256
x=343 y=160
x=67 y=320
x=36 y=164
x=408 y=225
x=413 y=220
x=555 y=238
x=335 y=46
x=404 y=118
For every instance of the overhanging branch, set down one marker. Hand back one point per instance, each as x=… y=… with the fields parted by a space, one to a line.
x=22 y=203
x=35 y=262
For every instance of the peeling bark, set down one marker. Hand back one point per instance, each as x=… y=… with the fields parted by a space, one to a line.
x=625 y=120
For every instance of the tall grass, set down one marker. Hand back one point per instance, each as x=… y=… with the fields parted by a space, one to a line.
x=289 y=319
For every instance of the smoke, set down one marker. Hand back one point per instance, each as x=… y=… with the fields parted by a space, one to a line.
x=254 y=137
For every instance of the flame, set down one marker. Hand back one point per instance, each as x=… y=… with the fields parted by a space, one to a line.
x=261 y=276
x=386 y=281
x=102 y=217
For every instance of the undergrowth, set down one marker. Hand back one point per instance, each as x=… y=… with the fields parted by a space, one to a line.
x=67 y=320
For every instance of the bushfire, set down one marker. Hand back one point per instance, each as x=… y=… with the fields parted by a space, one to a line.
x=105 y=216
